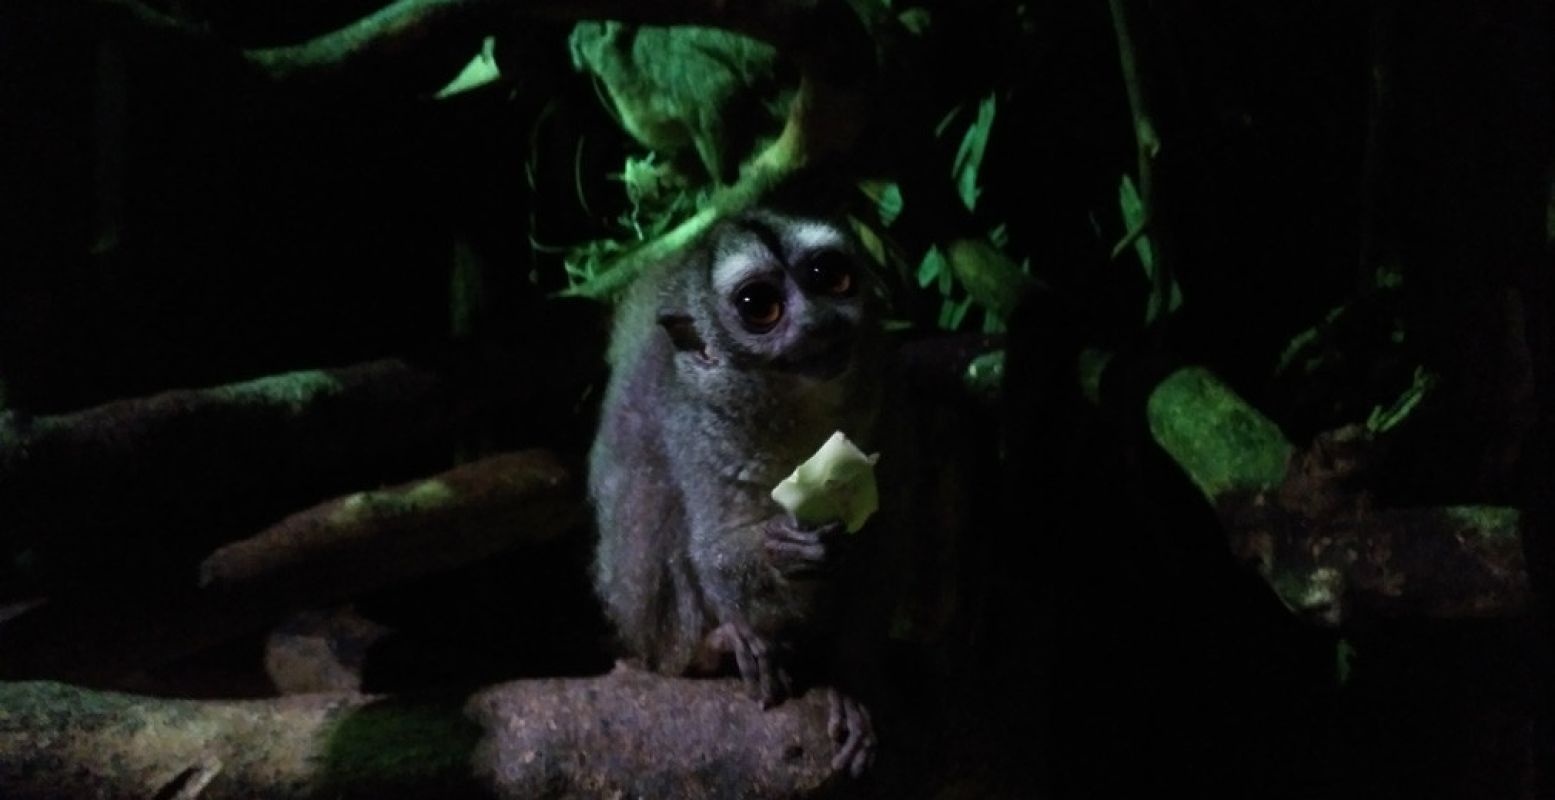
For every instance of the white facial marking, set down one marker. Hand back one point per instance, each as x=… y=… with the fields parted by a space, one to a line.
x=808 y=237
x=736 y=267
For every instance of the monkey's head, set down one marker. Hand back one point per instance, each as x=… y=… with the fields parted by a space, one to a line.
x=775 y=293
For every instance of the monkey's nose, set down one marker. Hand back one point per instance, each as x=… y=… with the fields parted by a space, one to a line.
x=824 y=351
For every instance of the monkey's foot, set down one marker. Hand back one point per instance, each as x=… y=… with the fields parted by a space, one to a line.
x=799 y=552
x=853 y=731
x=764 y=679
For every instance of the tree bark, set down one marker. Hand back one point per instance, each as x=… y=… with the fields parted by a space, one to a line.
x=1305 y=522
x=626 y=734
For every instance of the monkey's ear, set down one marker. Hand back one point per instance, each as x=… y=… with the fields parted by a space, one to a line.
x=682 y=331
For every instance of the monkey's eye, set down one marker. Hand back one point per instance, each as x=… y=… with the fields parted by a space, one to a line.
x=830 y=272
x=760 y=304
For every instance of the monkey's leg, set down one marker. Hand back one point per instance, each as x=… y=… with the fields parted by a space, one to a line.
x=764 y=678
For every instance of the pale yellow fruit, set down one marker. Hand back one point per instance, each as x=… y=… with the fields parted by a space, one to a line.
x=837 y=483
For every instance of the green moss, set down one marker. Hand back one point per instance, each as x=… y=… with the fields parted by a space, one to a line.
x=1492 y=522
x=293 y=390
x=397 y=743
x=1223 y=443
x=43 y=706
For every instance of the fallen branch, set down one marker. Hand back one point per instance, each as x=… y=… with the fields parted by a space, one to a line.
x=1301 y=519
x=339 y=550
x=139 y=462
x=200 y=462
x=371 y=539
x=626 y=734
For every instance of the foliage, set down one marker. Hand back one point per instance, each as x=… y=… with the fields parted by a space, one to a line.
x=935 y=283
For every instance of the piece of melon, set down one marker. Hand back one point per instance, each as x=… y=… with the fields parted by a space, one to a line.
x=837 y=483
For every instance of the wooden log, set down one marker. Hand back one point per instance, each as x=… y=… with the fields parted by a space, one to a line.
x=626 y=734
x=1299 y=519
x=88 y=491
x=333 y=552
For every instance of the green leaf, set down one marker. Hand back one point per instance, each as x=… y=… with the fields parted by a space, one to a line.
x=1133 y=208
x=887 y=197
x=952 y=313
x=1344 y=661
x=969 y=158
x=944 y=123
x=932 y=267
x=480 y=71
x=1000 y=236
x=1382 y=420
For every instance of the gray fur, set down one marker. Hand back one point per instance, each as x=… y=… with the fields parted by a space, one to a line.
x=692 y=440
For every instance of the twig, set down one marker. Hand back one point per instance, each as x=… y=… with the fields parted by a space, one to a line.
x=391 y=33
x=1147 y=142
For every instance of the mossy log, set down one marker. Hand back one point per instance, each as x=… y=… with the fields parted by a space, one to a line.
x=626 y=734
x=1299 y=518
x=183 y=463
x=336 y=551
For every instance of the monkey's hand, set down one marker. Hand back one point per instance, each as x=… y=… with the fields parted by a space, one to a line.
x=803 y=551
x=764 y=679
x=853 y=731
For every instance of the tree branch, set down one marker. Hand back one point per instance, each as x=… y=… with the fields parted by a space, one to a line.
x=370 y=539
x=405 y=26
x=1148 y=144
x=76 y=484
x=339 y=550
x=1146 y=139
x=628 y=733
x=1303 y=520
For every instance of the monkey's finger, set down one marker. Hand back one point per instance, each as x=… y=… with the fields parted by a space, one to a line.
x=858 y=747
x=829 y=530
x=789 y=534
x=792 y=531
x=785 y=683
x=794 y=560
x=836 y=718
x=745 y=660
x=767 y=683
x=754 y=660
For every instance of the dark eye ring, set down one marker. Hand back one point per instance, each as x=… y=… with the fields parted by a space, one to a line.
x=760 y=305
x=830 y=272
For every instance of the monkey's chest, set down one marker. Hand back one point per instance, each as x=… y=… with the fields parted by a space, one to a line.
x=775 y=439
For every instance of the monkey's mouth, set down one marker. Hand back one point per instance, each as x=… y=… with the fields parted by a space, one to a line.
x=824 y=363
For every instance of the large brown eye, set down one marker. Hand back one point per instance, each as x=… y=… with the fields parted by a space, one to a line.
x=830 y=272
x=760 y=304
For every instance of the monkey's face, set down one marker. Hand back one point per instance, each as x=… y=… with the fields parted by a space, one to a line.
x=790 y=295
x=775 y=294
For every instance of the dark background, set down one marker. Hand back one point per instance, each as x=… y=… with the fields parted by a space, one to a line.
x=168 y=221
